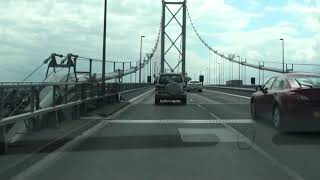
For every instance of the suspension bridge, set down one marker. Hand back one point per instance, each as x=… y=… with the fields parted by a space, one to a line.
x=80 y=124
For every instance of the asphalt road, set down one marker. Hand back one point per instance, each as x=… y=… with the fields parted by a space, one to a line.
x=212 y=137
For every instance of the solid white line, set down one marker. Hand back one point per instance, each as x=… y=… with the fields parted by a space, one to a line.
x=62 y=151
x=213 y=115
x=228 y=94
x=134 y=99
x=290 y=172
x=57 y=154
x=180 y=121
x=201 y=107
x=127 y=91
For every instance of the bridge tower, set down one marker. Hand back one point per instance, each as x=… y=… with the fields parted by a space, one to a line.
x=182 y=6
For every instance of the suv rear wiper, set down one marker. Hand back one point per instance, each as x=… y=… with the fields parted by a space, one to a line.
x=303 y=84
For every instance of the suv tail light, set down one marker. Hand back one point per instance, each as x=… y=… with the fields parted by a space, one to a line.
x=160 y=88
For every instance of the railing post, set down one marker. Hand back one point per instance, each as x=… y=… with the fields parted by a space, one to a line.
x=82 y=92
x=263 y=73
x=54 y=91
x=53 y=95
x=1 y=102
x=65 y=97
x=259 y=73
x=98 y=90
x=75 y=108
x=122 y=72
x=38 y=121
x=32 y=99
x=3 y=140
x=90 y=68
x=91 y=90
x=78 y=89
x=83 y=97
x=37 y=99
x=119 y=86
x=32 y=120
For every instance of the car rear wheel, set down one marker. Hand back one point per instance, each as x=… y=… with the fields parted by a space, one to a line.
x=253 y=110
x=277 y=118
x=156 y=101
x=184 y=101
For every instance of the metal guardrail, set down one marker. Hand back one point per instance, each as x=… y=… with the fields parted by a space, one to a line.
x=243 y=91
x=35 y=84
x=243 y=88
x=62 y=96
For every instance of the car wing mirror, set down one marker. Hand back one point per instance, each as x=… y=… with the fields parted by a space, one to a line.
x=265 y=90
x=259 y=88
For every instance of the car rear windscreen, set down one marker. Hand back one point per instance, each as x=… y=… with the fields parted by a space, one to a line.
x=305 y=81
x=165 y=79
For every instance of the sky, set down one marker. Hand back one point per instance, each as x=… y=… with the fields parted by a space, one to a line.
x=30 y=30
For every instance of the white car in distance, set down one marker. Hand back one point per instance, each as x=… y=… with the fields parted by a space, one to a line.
x=194 y=86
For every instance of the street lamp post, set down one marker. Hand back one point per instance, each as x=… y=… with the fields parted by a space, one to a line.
x=145 y=69
x=219 y=73
x=154 y=71
x=239 y=67
x=104 y=49
x=149 y=59
x=244 y=71
x=222 y=69
x=282 y=55
x=135 y=76
x=140 y=57
x=131 y=73
x=232 y=70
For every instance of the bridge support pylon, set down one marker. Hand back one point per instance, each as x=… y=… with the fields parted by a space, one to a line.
x=172 y=42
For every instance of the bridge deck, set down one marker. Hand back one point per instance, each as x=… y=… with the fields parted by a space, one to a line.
x=159 y=149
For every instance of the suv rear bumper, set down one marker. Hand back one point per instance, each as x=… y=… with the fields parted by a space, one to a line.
x=170 y=97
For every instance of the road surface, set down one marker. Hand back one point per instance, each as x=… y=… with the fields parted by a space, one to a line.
x=212 y=137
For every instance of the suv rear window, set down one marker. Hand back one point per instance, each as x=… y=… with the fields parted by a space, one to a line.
x=165 y=79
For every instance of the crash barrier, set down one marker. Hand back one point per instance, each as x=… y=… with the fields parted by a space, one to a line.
x=32 y=103
x=243 y=90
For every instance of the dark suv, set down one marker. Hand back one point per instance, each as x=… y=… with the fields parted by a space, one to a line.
x=170 y=87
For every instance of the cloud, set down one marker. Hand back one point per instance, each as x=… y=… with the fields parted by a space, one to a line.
x=32 y=29
x=309 y=11
x=219 y=14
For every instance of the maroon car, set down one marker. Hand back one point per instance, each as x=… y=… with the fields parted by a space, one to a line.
x=291 y=100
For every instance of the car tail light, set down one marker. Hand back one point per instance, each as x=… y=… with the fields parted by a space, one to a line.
x=302 y=98
x=296 y=97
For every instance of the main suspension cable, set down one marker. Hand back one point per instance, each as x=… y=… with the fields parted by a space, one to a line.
x=27 y=77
